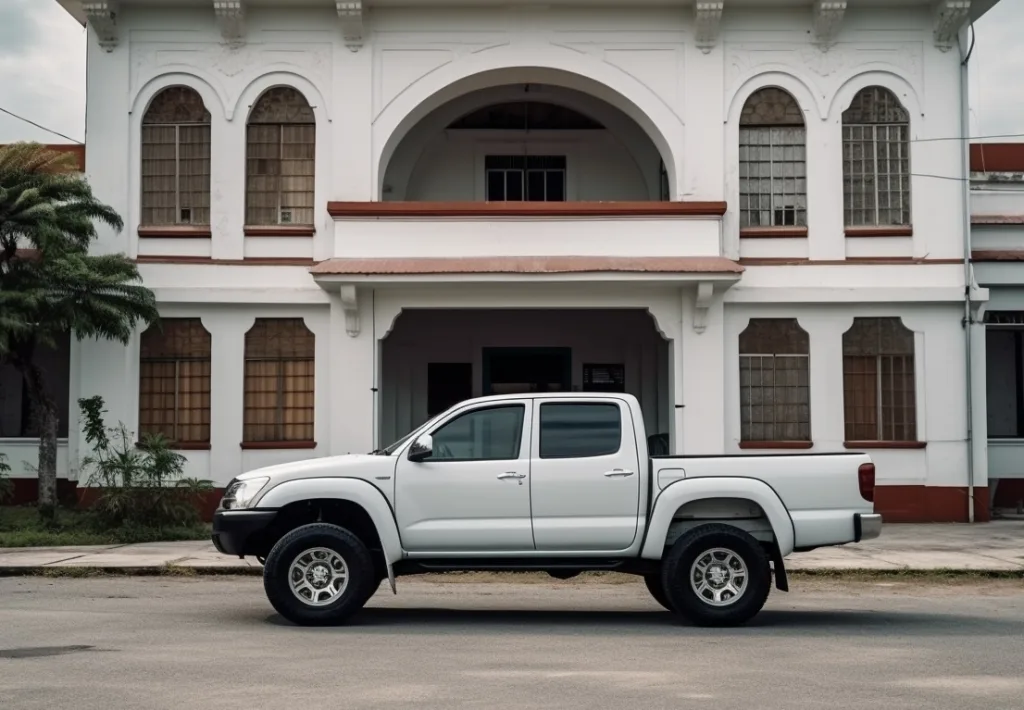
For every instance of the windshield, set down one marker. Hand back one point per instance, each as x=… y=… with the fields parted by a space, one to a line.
x=387 y=451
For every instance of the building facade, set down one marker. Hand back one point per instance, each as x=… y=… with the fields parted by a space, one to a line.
x=354 y=214
x=997 y=243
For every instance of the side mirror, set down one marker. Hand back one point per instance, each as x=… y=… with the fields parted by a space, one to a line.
x=422 y=448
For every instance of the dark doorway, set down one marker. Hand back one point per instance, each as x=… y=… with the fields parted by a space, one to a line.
x=521 y=370
x=448 y=383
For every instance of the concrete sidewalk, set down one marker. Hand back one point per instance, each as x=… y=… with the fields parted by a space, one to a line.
x=988 y=547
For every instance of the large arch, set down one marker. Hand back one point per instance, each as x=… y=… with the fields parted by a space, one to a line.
x=563 y=68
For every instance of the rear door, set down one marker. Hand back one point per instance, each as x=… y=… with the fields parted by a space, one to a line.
x=585 y=490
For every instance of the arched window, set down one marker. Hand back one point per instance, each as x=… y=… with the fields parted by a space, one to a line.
x=876 y=160
x=280 y=159
x=775 y=403
x=176 y=159
x=879 y=385
x=773 y=161
x=280 y=360
x=174 y=382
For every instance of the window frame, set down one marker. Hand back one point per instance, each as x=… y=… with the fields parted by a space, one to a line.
x=525 y=172
x=904 y=143
x=1011 y=322
x=457 y=415
x=749 y=442
x=879 y=356
x=280 y=360
x=175 y=441
x=618 y=405
x=207 y=123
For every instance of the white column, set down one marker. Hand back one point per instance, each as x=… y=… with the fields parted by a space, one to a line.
x=227 y=185
x=355 y=375
x=227 y=403
x=979 y=408
x=703 y=355
x=700 y=169
x=353 y=124
x=825 y=215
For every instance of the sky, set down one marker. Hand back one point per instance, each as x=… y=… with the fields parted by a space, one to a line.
x=42 y=72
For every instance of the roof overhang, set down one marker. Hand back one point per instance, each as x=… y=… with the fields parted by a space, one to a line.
x=707 y=274
x=75 y=7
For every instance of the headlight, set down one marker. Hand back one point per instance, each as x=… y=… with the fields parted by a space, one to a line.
x=240 y=493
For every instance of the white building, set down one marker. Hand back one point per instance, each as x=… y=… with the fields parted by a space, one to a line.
x=355 y=213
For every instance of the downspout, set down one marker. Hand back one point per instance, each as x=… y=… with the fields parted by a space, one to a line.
x=968 y=322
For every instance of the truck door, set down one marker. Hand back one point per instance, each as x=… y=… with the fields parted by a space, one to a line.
x=585 y=489
x=473 y=492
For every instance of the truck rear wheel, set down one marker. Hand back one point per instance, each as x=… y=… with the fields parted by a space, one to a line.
x=319 y=574
x=717 y=575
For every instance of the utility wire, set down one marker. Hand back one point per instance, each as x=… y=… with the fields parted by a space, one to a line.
x=48 y=130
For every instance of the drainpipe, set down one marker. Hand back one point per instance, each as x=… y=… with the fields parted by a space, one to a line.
x=965 y=167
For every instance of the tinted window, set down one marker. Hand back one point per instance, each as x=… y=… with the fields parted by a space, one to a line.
x=579 y=430
x=492 y=434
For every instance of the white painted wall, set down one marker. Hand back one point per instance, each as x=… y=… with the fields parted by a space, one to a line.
x=670 y=99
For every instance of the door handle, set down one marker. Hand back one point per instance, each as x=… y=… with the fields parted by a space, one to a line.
x=510 y=474
x=619 y=473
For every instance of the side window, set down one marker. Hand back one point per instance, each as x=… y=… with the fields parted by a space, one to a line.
x=579 y=430
x=492 y=434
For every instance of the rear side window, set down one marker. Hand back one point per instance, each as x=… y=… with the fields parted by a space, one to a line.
x=579 y=430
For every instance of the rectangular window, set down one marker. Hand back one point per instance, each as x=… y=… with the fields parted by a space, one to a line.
x=448 y=383
x=775 y=398
x=491 y=434
x=579 y=430
x=530 y=178
x=1005 y=374
x=175 y=174
x=174 y=381
x=604 y=378
x=876 y=175
x=879 y=381
x=280 y=382
x=281 y=174
x=773 y=176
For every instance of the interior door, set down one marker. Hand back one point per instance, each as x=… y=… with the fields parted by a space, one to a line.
x=585 y=471
x=473 y=492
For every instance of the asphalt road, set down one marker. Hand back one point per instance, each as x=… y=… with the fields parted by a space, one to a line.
x=146 y=643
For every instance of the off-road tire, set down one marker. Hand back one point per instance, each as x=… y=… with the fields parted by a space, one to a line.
x=657 y=590
x=677 y=565
x=362 y=577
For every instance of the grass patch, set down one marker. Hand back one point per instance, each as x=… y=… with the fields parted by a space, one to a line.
x=20 y=526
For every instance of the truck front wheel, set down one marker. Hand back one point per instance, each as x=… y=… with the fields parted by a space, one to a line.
x=716 y=575
x=319 y=574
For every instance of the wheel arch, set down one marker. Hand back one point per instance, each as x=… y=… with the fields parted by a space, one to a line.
x=342 y=499
x=692 y=492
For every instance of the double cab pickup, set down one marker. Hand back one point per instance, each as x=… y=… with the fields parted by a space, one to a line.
x=556 y=483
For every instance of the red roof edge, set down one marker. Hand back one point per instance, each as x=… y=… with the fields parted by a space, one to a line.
x=997 y=157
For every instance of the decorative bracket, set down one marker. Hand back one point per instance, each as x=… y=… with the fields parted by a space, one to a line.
x=828 y=18
x=705 y=291
x=707 y=21
x=350 y=15
x=350 y=305
x=102 y=17
x=950 y=16
x=231 y=21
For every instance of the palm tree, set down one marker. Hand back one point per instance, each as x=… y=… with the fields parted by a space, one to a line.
x=49 y=283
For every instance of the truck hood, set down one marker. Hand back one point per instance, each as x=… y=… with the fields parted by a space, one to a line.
x=362 y=466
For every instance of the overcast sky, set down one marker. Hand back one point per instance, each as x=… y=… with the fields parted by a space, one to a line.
x=42 y=71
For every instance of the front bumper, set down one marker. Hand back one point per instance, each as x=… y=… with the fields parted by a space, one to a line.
x=234 y=529
x=867 y=527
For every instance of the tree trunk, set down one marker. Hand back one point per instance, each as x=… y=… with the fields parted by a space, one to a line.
x=45 y=412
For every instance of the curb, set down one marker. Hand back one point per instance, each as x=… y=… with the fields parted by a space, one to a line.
x=485 y=577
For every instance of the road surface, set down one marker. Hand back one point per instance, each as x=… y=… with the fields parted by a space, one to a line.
x=208 y=642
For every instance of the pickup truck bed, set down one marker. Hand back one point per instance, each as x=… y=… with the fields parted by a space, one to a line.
x=560 y=483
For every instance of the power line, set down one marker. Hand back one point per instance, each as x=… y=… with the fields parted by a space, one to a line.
x=48 y=130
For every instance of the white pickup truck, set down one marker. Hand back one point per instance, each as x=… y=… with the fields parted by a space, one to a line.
x=555 y=483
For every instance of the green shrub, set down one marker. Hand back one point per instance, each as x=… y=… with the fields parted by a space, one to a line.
x=142 y=485
x=6 y=485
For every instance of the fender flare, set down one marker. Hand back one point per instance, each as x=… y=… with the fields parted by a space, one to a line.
x=355 y=490
x=687 y=490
